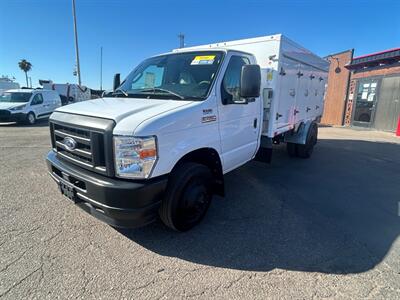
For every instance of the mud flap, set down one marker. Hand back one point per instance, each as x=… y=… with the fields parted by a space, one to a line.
x=264 y=153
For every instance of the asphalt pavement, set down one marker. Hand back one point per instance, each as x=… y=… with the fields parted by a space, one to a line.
x=326 y=227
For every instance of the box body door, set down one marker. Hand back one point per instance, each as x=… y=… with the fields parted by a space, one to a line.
x=285 y=106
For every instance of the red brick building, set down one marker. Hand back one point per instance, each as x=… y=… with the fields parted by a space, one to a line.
x=336 y=91
x=372 y=93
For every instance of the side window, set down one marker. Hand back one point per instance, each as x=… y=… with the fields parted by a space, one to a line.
x=37 y=99
x=230 y=88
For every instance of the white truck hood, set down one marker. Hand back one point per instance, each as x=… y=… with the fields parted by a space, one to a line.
x=138 y=109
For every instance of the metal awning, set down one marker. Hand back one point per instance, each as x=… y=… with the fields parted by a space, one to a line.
x=375 y=59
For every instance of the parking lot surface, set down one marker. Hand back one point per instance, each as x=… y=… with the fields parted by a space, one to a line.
x=327 y=227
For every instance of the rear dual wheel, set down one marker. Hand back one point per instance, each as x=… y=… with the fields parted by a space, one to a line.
x=304 y=151
x=188 y=196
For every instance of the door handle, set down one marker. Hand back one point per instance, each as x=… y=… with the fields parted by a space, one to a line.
x=308 y=109
x=255 y=123
x=278 y=115
x=295 y=112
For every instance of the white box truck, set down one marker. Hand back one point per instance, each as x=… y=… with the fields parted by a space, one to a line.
x=68 y=92
x=7 y=83
x=160 y=144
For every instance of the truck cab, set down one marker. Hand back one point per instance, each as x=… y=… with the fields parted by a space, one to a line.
x=161 y=142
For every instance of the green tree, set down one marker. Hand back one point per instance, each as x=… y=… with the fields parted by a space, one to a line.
x=25 y=66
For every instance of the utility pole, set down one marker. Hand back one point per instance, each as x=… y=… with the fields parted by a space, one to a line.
x=181 y=37
x=101 y=68
x=78 y=68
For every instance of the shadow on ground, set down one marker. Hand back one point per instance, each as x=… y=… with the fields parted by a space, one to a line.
x=334 y=213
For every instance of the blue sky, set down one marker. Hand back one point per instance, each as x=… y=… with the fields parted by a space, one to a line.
x=41 y=31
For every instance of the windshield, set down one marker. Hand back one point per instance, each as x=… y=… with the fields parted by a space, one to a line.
x=15 y=97
x=173 y=76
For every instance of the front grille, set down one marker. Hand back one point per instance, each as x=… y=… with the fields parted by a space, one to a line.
x=91 y=145
x=4 y=113
x=83 y=150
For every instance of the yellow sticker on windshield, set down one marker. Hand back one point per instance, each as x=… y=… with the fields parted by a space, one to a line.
x=203 y=60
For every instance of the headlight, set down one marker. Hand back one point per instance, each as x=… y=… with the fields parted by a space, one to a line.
x=135 y=157
x=18 y=107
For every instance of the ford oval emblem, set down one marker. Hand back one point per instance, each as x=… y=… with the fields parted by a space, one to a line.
x=69 y=143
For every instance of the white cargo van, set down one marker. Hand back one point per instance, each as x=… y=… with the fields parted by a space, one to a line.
x=161 y=143
x=27 y=105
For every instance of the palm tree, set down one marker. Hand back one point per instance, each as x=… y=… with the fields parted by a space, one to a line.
x=25 y=66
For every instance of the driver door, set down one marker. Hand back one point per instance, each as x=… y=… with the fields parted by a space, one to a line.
x=37 y=105
x=239 y=120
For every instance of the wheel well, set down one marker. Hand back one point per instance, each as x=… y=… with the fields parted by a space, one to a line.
x=210 y=158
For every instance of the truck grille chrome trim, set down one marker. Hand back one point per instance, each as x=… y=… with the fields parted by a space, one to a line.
x=82 y=152
x=64 y=134
x=83 y=142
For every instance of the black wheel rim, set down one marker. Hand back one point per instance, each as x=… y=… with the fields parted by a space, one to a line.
x=194 y=203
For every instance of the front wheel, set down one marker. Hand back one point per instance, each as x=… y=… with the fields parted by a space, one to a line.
x=30 y=118
x=188 y=196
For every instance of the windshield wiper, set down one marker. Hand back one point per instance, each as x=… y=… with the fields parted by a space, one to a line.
x=122 y=91
x=162 y=90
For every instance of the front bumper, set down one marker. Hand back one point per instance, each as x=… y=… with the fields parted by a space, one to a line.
x=12 y=117
x=117 y=202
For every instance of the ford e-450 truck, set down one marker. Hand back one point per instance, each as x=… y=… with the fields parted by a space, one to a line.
x=160 y=143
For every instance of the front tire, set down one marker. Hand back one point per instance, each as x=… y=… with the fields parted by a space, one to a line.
x=188 y=196
x=30 y=119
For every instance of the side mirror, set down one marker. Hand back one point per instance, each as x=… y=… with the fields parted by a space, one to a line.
x=117 y=81
x=250 y=81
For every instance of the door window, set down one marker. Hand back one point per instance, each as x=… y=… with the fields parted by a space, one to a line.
x=37 y=99
x=230 y=89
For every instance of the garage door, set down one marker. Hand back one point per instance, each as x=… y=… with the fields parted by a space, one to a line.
x=388 y=106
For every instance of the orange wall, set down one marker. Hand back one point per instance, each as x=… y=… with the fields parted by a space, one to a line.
x=336 y=92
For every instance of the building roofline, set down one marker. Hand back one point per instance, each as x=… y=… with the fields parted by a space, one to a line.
x=377 y=53
x=337 y=53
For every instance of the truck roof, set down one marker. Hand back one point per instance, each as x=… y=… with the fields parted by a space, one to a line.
x=224 y=45
x=21 y=90
x=302 y=54
x=27 y=90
